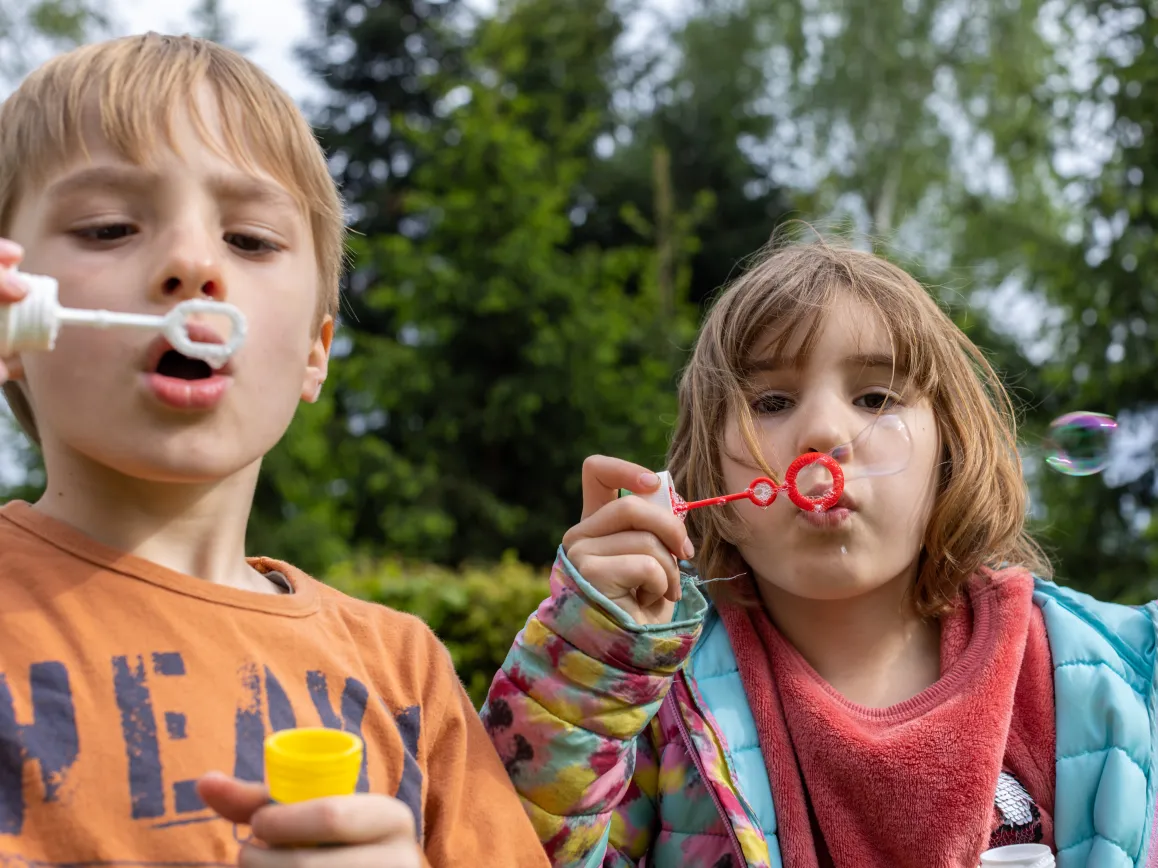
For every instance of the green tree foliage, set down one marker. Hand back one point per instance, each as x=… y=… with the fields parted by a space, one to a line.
x=1103 y=293
x=385 y=66
x=476 y=611
x=682 y=165
x=31 y=29
x=487 y=351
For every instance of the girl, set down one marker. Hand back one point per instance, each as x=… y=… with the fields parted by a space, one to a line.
x=890 y=683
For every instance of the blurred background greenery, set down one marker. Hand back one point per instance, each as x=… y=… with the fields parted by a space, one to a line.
x=547 y=193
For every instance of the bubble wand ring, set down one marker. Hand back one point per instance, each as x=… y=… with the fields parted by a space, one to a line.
x=761 y=491
x=882 y=448
x=824 y=502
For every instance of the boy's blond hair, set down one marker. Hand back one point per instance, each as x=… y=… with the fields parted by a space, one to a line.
x=978 y=516
x=138 y=82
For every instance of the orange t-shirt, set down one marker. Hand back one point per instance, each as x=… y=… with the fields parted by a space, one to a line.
x=122 y=682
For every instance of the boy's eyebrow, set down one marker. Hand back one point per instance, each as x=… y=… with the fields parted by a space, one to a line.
x=248 y=188
x=231 y=187
x=103 y=178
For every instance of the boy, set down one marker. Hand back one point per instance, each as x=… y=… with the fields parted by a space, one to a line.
x=139 y=648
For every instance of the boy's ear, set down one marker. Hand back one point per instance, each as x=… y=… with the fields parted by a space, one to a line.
x=318 y=363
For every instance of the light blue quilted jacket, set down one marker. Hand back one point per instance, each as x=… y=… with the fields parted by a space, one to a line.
x=1107 y=727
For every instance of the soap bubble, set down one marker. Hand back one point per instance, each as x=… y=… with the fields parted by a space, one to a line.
x=1079 y=443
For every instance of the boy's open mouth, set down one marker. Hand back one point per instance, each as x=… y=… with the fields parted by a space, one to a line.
x=163 y=360
x=179 y=367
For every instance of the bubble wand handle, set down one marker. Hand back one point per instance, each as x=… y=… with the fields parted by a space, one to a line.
x=713 y=501
x=103 y=319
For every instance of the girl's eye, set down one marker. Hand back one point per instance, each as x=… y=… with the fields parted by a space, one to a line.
x=250 y=243
x=109 y=232
x=771 y=403
x=877 y=401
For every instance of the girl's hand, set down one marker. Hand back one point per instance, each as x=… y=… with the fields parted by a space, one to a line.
x=10 y=290
x=624 y=546
x=362 y=831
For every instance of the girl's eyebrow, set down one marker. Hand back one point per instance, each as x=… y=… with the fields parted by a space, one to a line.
x=871 y=360
x=858 y=360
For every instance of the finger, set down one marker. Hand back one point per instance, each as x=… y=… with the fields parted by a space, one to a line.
x=629 y=542
x=12 y=289
x=360 y=819
x=391 y=854
x=634 y=513
x=10 y=253
x=235 y=800
x=639 y=574
x=603 y=476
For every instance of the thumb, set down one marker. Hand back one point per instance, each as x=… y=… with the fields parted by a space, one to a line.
x=233 y=799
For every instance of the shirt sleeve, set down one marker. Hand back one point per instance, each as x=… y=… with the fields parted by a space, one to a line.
x=473 y=815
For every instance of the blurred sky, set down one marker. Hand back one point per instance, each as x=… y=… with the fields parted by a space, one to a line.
x=271 y=27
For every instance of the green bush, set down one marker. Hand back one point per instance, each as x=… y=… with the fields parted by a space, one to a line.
x=476 y=611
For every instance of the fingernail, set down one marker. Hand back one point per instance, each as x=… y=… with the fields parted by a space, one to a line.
x=10 y=247
x=689 y=550
x=13 y=284
x=648 y=480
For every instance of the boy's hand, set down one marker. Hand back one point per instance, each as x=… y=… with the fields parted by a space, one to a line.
x=624 y=546
x=10 y=290
x=369 y=831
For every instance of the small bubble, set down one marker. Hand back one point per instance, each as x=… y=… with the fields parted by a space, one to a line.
x=818 y=508
x=844 y=550
x=763 y=494
x=1079 y=443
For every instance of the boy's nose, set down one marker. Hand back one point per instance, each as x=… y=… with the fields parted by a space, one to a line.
x=190 y=273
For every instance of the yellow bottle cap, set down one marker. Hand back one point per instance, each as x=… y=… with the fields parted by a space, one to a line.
x=311 y=763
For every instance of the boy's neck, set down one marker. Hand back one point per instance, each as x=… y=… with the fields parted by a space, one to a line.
x=195 y=529
x=874 y=649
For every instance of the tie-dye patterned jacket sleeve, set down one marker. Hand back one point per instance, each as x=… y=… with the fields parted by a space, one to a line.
x=571 y=713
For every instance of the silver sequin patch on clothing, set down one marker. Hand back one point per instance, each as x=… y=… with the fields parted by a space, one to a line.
x=1013 y=801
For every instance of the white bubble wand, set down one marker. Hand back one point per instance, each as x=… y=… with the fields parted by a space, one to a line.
x=33 y=323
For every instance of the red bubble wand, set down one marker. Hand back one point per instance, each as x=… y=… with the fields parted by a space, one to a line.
x=880 y=449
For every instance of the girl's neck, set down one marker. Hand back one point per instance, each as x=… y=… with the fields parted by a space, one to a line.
x=193 y=528
x=873 y=649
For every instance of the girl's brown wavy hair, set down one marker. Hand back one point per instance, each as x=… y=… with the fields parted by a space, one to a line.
x=978 y=517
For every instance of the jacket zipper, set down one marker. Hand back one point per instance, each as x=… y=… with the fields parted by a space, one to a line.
x=699 y=764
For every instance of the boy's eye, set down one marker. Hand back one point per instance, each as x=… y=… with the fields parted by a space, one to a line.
x=771 y=403
x=110 y=232
x=877 y=401
x=249 y=243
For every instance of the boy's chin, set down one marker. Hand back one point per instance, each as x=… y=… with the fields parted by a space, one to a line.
x=184 y=463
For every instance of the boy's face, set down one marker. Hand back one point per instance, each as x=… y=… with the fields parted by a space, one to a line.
x=189 y=224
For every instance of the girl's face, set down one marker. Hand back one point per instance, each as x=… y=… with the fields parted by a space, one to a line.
x=874 y=535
